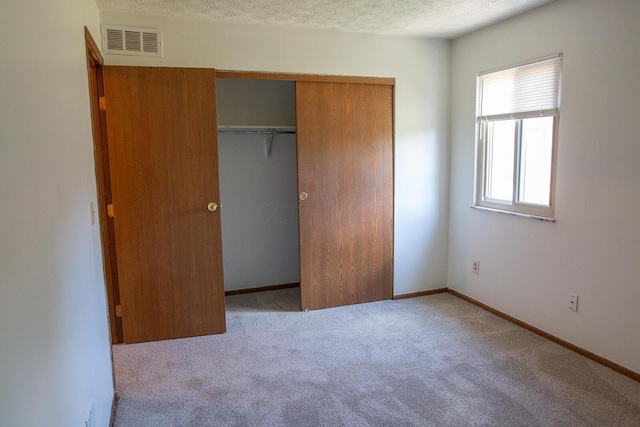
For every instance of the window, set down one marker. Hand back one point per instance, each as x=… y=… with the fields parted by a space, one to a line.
x=517 y=118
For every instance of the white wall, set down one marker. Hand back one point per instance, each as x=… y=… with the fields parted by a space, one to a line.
x=55 y=355
x=527 y=267
x=421 y=69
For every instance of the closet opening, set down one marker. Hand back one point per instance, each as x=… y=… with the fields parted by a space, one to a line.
x=258 y=189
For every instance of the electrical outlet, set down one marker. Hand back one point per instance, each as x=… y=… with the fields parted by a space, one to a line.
x=573 y=302
x=91 y=418
x=475 y=267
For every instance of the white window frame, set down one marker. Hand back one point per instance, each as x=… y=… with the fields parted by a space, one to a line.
x=545 y=212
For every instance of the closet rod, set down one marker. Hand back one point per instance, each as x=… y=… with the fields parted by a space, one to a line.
x=268 y=144
x=259 y=132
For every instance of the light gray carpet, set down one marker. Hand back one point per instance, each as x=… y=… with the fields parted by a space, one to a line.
x=429 y=361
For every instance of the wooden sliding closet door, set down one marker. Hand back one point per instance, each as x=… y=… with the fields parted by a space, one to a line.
x=163 y=154
x=345 y=167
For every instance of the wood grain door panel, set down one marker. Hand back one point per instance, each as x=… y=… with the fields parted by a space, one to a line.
x=162 y=132
x=345 y=155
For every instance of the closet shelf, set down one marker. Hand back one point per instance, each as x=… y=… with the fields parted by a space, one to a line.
x=256 y=129
x=272 y=131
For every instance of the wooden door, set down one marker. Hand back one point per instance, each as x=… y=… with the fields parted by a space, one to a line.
x=163 y=155
x=345 y=166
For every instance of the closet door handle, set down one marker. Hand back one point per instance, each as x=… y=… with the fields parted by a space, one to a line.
x=303 y=196
x=212 y=207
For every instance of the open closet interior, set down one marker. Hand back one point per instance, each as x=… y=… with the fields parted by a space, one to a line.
x=258 y=183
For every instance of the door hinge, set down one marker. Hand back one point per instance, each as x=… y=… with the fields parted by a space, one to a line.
x=102 y=101
x=110 y=210
x=118 y=310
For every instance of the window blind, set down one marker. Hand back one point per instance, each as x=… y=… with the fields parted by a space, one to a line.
x=528 y=90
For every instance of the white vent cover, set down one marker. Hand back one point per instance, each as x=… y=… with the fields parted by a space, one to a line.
x=131 y=40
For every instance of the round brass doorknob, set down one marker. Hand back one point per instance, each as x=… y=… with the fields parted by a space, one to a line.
x=212 y=207
x=303 y=196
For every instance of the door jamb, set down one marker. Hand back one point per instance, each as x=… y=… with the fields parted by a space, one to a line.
x=95 y=62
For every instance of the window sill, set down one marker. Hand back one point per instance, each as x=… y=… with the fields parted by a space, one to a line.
x=541 y=218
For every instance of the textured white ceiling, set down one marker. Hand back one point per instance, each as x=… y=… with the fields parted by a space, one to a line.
x=432 y=18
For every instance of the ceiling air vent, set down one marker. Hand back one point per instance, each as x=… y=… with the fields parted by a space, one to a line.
x=131 y=40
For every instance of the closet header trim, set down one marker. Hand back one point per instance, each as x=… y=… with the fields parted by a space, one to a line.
x=326 y=78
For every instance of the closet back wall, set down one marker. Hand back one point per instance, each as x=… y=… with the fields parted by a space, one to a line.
x=260 y=245
x=244 y=102
x=421 y=68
